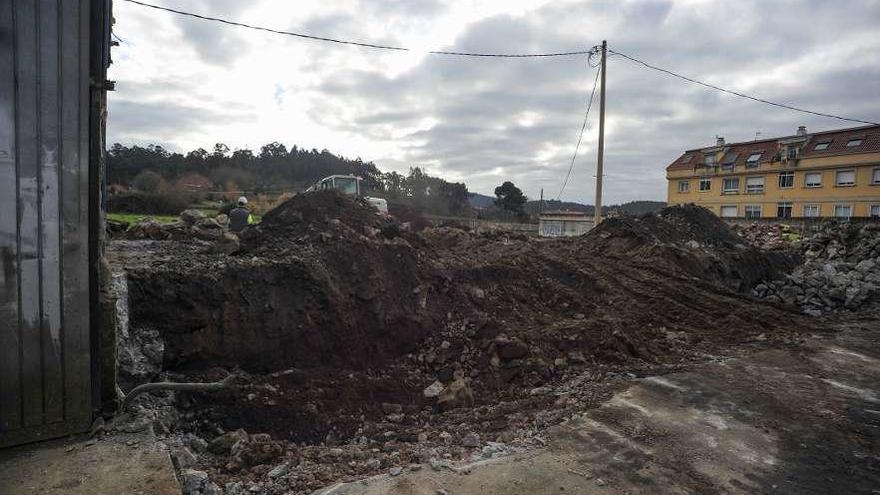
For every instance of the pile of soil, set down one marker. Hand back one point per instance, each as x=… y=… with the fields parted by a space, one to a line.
x=337 y=310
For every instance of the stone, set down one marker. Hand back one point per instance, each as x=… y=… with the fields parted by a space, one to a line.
x=865 y=266
x=196 y=443
x=223 y=444
x=227 y=243
x=278 y=471
x=374 y=463
x=211 y=488
x=457 y=394
x=184 y=458
x=192 y=481
x=471 y=440
x=191 y=216
x=433 y=390
x=395 y=471
x=512 y=349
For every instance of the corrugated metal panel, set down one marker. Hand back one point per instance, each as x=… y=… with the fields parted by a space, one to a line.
x=44 y=219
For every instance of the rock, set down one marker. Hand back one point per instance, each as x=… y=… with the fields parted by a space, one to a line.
x=278 y=471
x=196 y=443
x=374 y=464
x=184 y=458
x=457 y=394
x=256 y=450
x=433 y=390
x=211 y=488
x=471 y=440
x=191 y=216
x=223 y=444
x=865 y=266
x=391 y=408
x=395 y=471
x=692 y=244
x=192 y=481
x=227 y=243
x=514 y=349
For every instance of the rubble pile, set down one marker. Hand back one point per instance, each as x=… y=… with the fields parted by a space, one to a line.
x=841 y=269
x=372 y=348
x=192 y=224
x=769 y=236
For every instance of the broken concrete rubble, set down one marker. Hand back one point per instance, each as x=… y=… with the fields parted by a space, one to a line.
x=841 y=270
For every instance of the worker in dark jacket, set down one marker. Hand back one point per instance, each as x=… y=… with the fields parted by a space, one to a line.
x=240 y=217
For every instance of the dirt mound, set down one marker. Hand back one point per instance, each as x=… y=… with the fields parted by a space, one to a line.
x=323 y=280
x=319 y=213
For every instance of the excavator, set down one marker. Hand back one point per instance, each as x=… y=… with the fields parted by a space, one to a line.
x=351 y=186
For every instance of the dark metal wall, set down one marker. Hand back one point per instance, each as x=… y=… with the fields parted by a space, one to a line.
x=45 y=275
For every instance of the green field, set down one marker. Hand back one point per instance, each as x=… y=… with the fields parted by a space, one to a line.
x=134 y=217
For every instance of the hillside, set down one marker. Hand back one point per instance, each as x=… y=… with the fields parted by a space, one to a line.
x=482 y=201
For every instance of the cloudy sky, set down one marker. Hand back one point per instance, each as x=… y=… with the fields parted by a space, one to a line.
x=186 y=83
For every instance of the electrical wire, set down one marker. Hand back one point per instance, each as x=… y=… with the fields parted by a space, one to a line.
x=357 y=43
x=741 y=95
x=581 y=135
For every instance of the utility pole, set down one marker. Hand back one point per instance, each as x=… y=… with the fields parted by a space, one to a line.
x=541 y=204
x=597 y=210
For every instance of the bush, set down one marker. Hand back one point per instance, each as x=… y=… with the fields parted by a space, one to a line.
x=171 y=203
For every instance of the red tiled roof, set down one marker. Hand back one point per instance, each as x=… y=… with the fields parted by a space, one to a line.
x=838 y=139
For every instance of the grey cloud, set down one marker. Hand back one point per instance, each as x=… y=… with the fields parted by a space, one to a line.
x=652 y=117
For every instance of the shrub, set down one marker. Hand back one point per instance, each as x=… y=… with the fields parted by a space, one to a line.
x=171 y=203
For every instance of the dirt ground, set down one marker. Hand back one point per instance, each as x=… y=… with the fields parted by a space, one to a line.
x=798 y=420
x=362 y=347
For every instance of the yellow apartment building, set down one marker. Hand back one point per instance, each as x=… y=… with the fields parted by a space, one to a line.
x=824 y=174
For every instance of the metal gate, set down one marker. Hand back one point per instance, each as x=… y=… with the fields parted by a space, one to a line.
x=45 y=132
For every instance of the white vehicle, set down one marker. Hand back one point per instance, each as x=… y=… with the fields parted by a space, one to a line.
x=349 y=185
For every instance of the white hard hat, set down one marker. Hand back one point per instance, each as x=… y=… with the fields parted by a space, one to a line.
x=242 y=200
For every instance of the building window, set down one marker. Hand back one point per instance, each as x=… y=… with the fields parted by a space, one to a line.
x=786 y=180
x=854 y=142
x=705 y=184
x=730 y=186
x=813 y=179
x=846 y=178
x=753 y=159
x=684 y=186
x=754 y=185
x=728 y=211
x=811 y=211
x=792 y=152
x=783 y=210
x=729 y=161
x=875 y=177
x=752 y=211
x=709 y=160
x=842 y=211
x=821 y=146
x=875 y=211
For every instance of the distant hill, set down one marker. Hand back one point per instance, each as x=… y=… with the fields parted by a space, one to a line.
x=480 y=201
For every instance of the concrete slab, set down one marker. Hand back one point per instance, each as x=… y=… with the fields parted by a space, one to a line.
x=124 y=464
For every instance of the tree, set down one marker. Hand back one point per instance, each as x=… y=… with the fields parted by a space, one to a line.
x=510 y=198
x=147 y=181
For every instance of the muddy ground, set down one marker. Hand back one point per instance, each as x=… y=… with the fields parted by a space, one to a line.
x=364 y=347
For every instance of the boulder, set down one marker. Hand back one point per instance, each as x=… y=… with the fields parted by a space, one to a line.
x=457 y=394
x=191 y=216
x=223 y=444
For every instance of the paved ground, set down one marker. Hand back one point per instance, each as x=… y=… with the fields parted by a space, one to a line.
x=124 y=464
x=795 y=421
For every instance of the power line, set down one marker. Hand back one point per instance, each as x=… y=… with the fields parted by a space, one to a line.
x=357 y=43
x=741 y=95
x=580 y=136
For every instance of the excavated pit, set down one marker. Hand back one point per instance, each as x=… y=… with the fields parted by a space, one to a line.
x=342 y=318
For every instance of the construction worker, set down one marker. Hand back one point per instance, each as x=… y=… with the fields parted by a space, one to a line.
x=240 y=217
